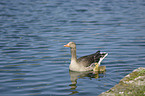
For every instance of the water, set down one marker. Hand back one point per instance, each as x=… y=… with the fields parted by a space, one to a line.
x=33 y=61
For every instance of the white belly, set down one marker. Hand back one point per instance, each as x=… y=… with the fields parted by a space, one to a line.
x=76 y=67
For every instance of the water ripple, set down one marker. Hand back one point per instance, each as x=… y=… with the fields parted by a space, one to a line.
x=34 y=62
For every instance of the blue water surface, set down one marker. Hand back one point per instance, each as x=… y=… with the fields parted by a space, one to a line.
x=33 y=61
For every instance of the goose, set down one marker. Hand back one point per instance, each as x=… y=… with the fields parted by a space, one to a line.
x=85 y=63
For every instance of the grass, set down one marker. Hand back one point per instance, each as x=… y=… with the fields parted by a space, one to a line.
x=130 y=88
x=135 y=74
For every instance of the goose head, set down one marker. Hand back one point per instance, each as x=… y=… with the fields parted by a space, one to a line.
x=71 y=45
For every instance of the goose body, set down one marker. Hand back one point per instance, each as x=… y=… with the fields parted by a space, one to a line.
x=85 y=63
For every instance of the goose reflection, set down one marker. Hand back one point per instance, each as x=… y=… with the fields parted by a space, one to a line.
x=74 y=76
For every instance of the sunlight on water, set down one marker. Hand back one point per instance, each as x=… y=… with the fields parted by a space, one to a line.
x=34 y=62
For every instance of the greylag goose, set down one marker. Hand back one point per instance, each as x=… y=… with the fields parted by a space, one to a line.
x=85 y=63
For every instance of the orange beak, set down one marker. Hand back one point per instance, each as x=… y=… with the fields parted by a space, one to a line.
x=66 y=45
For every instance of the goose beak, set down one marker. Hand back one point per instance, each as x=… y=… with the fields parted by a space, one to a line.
x=66 y=45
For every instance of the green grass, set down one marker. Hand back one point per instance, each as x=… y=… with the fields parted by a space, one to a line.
x=142 y=72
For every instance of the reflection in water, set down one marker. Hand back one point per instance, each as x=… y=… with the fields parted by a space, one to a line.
x=33 y=60
x=76 y=75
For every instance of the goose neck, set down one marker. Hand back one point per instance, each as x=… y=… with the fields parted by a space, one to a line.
x=73 y=54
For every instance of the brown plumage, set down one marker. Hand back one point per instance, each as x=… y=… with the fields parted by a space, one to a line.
x=84 y=63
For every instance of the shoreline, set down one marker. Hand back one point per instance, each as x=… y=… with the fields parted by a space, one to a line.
x=132 y=84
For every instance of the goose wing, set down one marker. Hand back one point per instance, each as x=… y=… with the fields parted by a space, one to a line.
x=89 y=59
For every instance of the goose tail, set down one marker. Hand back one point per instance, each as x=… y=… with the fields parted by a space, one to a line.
x=102 y=56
